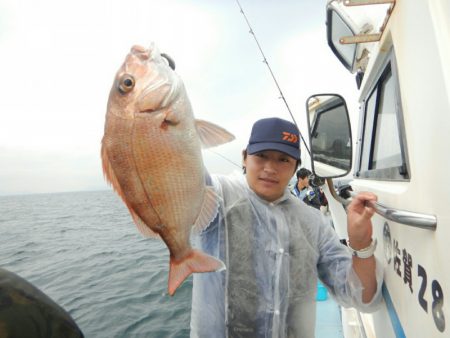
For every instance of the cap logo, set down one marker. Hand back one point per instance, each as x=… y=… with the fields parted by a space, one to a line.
x=289 y=137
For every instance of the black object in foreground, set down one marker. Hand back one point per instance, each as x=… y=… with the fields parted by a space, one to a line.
x=25 y=311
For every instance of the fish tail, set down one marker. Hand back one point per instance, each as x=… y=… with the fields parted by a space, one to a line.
x=196 y=261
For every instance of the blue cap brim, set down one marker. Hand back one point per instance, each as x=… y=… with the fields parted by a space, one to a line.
x=284 y=148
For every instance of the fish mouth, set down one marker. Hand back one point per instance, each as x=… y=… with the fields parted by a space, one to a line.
x=159 y=95
x=148 y=111
x=164 y=117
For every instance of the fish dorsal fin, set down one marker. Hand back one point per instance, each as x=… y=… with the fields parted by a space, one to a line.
x=112 y=179
x=211 y=134
x=209 y=210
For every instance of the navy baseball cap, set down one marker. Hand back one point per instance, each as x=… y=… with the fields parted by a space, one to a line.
x=274 y=134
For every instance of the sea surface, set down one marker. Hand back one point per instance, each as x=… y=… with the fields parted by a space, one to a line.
x=83 y=250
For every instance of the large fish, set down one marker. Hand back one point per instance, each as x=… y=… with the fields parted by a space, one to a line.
x=151 y=154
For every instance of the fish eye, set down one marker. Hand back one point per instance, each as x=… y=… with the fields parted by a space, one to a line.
x=126 y=83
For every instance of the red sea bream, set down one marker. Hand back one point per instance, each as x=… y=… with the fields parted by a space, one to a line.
x=151 y=154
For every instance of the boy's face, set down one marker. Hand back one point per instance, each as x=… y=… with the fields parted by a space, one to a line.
x=269 y=172
x=303 y=182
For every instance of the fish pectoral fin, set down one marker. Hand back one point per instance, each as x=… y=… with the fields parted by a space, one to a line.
x=196 y=261
x=209 y=210
x=212 y=135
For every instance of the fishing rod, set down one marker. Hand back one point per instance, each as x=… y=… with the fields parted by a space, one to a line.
x=271 y=73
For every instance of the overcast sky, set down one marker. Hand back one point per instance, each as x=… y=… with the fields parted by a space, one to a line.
x=58 y=60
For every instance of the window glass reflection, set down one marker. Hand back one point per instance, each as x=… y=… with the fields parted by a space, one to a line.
x=368 y=128
x=387 y=151
x=331 y=142
x=340 y=29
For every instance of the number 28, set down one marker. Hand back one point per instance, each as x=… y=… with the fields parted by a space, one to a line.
x=438 y=299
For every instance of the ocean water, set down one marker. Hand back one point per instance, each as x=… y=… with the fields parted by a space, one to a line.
x=83 y=250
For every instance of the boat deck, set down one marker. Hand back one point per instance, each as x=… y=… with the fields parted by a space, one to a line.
x=328 y=319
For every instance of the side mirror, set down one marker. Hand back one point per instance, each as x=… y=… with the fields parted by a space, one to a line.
x=330 y=135
x=338 y=27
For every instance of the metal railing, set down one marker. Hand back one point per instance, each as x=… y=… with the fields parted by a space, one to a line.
x=414 y=219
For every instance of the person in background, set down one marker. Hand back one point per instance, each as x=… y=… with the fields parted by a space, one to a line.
x=308 y=191
x=301 y=187
x=318 y=197
x=275 y=247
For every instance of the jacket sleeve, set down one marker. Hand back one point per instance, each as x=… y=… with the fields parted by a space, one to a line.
x=336 y=272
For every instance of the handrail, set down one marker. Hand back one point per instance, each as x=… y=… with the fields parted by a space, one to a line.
x=414 y=219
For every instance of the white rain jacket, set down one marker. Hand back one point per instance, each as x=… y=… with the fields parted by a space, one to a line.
x=274 y=252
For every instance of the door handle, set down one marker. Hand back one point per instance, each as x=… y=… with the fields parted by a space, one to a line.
x=414 y=219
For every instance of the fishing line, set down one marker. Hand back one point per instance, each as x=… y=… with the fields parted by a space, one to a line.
x=271 y=73
x=225 y=158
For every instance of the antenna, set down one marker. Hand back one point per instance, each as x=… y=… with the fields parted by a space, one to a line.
x=271 y=73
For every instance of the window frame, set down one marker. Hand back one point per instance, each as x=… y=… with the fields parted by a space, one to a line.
x=396 y=173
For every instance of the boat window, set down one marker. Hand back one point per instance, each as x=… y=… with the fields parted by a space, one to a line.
x=368 y=126
x=383 y=149
x=386 y=152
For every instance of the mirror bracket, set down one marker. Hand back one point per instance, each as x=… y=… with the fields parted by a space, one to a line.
x=367 y=2
x=360 y=38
